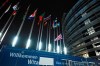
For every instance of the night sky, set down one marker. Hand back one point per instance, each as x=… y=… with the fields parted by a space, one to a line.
x=54 y=7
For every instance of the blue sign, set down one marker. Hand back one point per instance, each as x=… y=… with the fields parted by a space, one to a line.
x=10 y=56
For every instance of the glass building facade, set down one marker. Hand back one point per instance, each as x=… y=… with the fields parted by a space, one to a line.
x=81 y=28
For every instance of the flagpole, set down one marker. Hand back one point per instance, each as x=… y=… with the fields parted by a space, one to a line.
x=61 y=46
x=48 y=28
x=57 y=35
x=5 y=11
x=40 y=35
x=47 y=39
x=16 y=38
x=60 y=42
x=38 y=38
x=23 y=22
x=57 y=40
x=5 y=26
x=63 y=17
x=41 y=32
x=49 y=32
x=2 y=16
x=6 y=30
x=30 y=34
x=54 y=41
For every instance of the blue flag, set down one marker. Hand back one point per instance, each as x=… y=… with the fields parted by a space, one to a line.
x=55 y=23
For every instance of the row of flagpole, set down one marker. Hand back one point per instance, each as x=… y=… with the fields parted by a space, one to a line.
x=56 y=47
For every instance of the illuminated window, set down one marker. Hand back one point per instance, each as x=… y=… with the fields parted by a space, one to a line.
x=87 y=21
x=81 y=44
x=84 y=14
x=78 y=45
x=85 y=55
x=97 y=53
x=91 y=30
x=95 y=38
x=96 y=44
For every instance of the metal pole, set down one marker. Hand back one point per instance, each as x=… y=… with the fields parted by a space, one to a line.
x=5 y=25
x=38 y=38
x=31 y=29
x=6 y=31
x=22 y=22
x=47 y=39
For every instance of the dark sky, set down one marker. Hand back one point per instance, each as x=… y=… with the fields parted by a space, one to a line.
x=54 y=7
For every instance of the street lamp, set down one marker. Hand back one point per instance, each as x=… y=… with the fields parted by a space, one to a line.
x=40 y=45
x=58 y=49
x=28 y=43
x=65 y=50
x=14 y=41
x=0 y=34
x=49 y=48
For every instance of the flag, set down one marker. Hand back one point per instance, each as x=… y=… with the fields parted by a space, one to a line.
x=33 y=15
x=7 y=9
x=14 y=12
x=15 y=7
x=5 y=2
x=56 y=19
x=59 y=37
x=55 y=23
x=47 y=18
x=45 y=23
x=58 y=24
x=41 y=18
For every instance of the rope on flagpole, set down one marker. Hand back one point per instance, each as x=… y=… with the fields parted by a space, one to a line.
x=6 y=30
